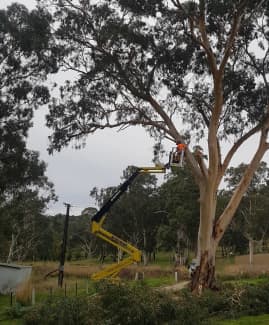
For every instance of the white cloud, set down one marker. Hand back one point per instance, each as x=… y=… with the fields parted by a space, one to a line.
x=28 y=3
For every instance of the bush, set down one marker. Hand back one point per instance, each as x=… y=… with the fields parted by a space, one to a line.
x=190 y=310
x=131 y=305
x=138 y=304
x=235 y=301
x=118 y=305
x=16 y=311
x=216 y=303
x=254 y=300
x=64 y=311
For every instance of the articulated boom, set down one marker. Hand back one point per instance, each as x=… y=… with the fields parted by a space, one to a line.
x=97 y=228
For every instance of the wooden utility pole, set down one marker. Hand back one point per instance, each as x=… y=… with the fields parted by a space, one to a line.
x=63 y=248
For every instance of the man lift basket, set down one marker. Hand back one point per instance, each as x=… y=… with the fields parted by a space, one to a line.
x=177 y=154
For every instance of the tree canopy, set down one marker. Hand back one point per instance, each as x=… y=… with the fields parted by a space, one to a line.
x=26 y=58
x=25 y=61
x=146 y=63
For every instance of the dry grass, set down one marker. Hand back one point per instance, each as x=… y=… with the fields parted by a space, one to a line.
x=150 y=271
x=79 y=271
x=241 y=265
x=73 y=273
x=74 y=270
x=24 y=293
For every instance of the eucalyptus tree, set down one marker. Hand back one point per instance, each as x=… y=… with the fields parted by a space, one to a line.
x=157 y=63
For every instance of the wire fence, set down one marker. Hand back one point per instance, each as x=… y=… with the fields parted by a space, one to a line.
x=30 y=295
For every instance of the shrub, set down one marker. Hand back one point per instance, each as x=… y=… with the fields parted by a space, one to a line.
x=215 y=302
x=118 y=305
x=121 y=304
x=16 y=311
x=138 y=304
x=254 y=300
x=64 y=311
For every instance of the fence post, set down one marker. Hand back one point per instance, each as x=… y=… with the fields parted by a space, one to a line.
x=176 y=276
x=11 y=298
x=87 y=287
x=33 y=296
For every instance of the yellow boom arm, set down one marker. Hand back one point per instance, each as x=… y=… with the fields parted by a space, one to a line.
x=97 y=228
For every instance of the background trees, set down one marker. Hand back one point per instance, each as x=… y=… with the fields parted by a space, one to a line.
x=24 y=63
x=252 y=215
x=25 y=60
x=178 y=201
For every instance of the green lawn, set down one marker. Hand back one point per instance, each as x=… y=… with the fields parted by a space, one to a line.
x=4 y=319
x=158 y=282
x=11 y=322
x=247 y=320
x=253 y=281
x=4 y=303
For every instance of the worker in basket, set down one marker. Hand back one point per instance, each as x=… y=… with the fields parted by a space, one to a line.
x=178 y=155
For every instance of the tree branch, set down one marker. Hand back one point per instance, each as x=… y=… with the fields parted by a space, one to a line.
x=205 y=41
x=177 y=137
x=227 y=215
x=234 y=148
x=230 y=41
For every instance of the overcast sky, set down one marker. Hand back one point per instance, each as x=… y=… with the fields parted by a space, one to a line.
x=101 y=163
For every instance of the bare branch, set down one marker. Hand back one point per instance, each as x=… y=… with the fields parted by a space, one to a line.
x=227 y=215
x=234 y=148
x=200 y=110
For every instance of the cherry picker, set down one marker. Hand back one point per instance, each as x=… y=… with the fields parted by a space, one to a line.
x=97 y=222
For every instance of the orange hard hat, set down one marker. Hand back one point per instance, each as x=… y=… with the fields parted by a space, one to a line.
x=181 y=146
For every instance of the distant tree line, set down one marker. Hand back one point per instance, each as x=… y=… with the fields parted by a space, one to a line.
x=152 y=217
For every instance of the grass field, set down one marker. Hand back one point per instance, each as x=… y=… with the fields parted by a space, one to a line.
x=248 y=320
x=159 y=273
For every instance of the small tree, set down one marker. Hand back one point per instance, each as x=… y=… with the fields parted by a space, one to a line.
x=157 y=63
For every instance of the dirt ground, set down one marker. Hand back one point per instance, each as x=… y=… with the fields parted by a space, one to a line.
x=175 y=287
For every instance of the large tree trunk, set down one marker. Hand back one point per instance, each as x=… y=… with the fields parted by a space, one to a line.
x=204 y=274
